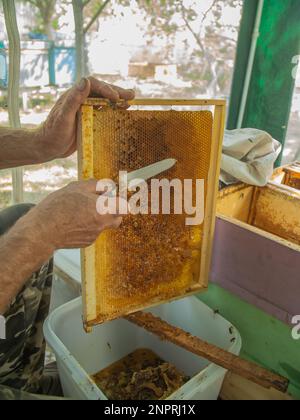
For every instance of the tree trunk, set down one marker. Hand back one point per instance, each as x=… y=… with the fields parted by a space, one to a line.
x=213 y=87
x=81 y=67
x=48 y=29
x=47 y=11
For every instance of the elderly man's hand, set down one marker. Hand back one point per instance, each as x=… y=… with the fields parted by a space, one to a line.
x=57 y=136
x=68 y=218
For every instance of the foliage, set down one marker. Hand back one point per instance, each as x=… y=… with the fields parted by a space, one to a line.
x=214 y=48
x=45 y=19
x=209 y=48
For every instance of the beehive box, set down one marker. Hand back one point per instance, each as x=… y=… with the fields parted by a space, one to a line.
x=257 y=247
x=288 y=175
x=150 y=259
x=274 y=210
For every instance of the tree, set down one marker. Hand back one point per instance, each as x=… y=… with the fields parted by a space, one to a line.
x=81 y=29
x=86 y=15
x=209 y=59
x=46 y=12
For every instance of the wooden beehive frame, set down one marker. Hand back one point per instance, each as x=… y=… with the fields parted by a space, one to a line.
x=86 y=171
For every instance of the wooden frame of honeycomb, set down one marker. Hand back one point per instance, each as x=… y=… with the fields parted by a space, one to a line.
x=151 y=259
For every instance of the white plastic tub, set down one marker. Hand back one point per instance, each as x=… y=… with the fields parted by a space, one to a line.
x=80 y=355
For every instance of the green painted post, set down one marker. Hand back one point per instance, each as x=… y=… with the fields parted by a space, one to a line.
x=241 y=61
x=51 y=54
x=272 y=83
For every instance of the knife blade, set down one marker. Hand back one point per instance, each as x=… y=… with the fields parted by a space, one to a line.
x=143 y=174
x=150 y=171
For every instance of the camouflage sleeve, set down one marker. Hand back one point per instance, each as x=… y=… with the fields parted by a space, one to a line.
x=11 y=394
x=23 y=375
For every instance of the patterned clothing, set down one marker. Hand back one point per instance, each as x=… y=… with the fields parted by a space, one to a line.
x=22 y=353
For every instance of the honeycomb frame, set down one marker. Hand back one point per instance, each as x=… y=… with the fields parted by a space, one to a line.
x=91 y=280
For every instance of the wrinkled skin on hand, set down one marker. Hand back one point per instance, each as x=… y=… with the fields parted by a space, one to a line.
x=58 y=133
x=69 y=218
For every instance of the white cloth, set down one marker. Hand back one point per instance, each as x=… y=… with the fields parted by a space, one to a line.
x=249 y=156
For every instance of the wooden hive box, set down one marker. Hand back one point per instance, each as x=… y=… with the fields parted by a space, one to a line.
x=150 y=259
x=288 y=175
x=257 y=247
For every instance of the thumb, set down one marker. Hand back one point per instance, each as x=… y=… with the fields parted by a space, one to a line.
x=76 y=97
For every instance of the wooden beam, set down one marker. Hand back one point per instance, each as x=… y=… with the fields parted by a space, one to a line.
x=210 y=352
x=160 y=102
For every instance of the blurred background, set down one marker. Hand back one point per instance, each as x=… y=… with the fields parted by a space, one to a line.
x=161 y=48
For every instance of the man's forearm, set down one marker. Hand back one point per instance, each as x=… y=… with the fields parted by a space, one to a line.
x=19 y=147
x=22 y=252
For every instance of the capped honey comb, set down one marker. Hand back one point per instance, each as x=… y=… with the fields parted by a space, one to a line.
x=150 y=259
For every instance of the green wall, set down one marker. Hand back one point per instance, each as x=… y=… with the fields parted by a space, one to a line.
x=272 y=85
x=265 y=340
x=241 y=60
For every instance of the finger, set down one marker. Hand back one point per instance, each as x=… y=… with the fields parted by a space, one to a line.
x=94 y=187
x=124 y=106
x=72 y=149
x=126 y=94
x=103 y=90
x=89 y=186
x=110 y=221
x=105 y=220
x=75 y=97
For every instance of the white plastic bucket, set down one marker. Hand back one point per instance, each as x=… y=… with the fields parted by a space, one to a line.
x=80 y=355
